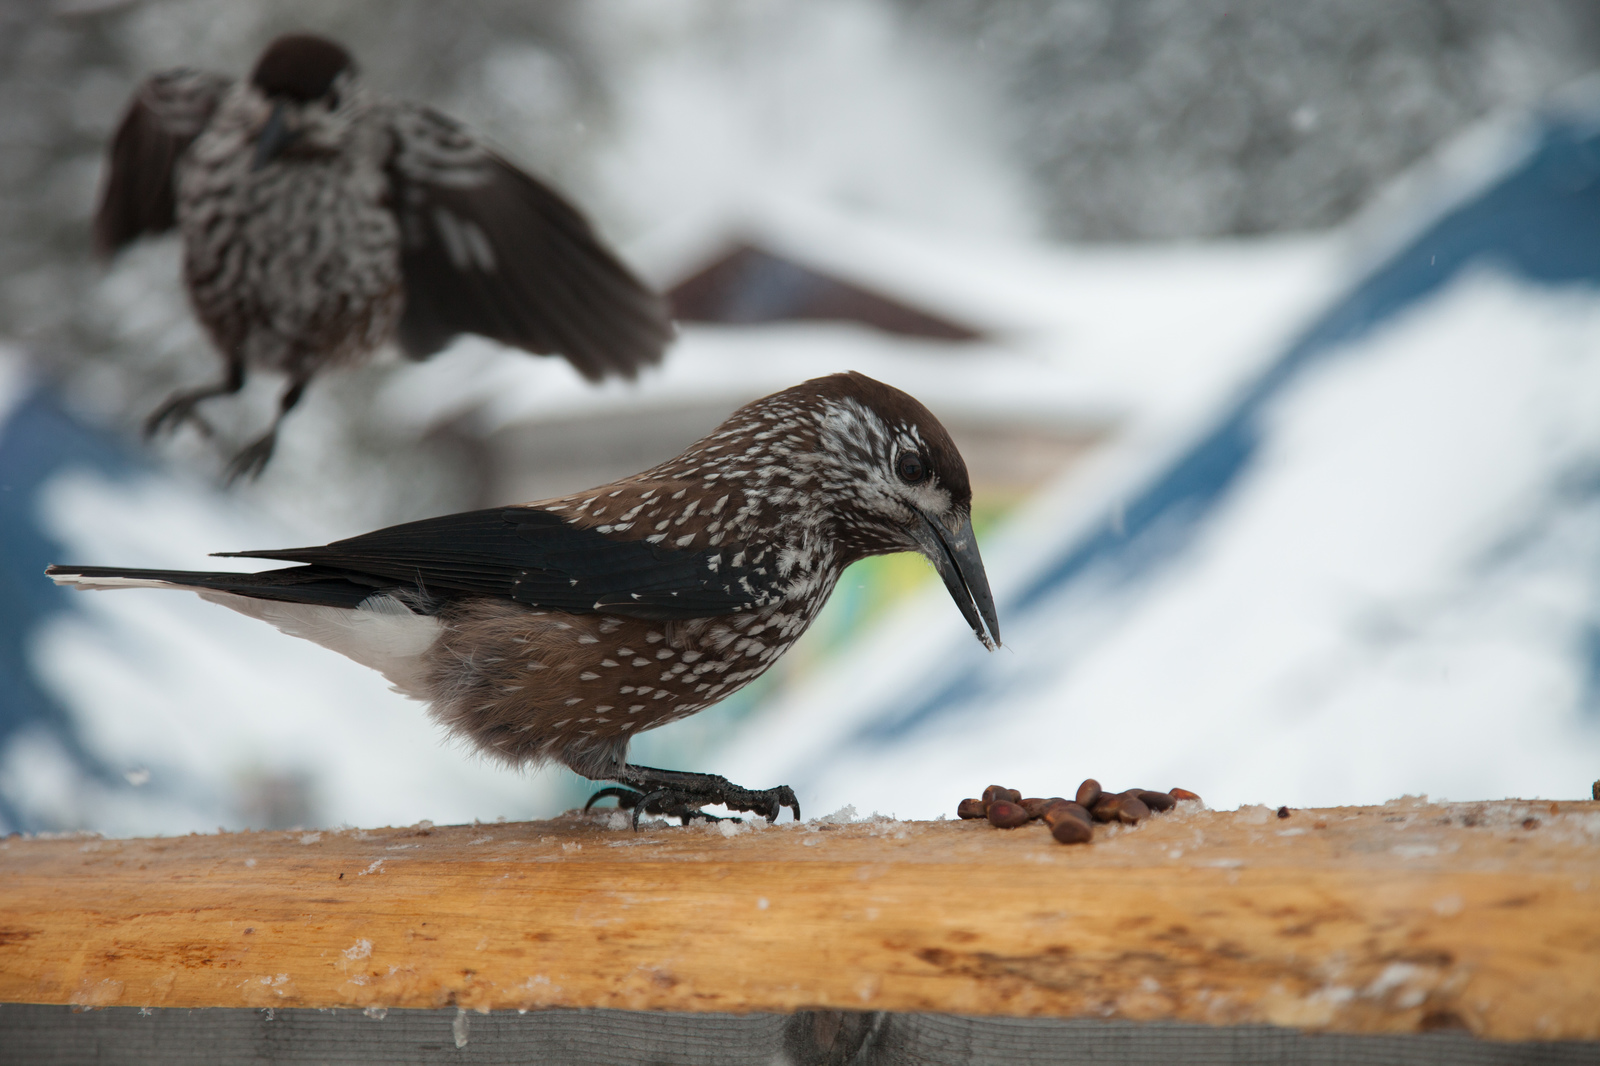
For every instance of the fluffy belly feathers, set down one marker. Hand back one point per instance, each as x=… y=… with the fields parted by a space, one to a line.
x=296 y=262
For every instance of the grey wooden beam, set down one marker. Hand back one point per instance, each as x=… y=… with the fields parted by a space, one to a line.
x=127 y=1036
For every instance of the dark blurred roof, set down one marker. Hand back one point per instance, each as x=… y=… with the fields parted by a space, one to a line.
x=748 y=285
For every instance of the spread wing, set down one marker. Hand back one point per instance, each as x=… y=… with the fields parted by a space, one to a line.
x=535 y=557
x=490 y=250
x=166 y=114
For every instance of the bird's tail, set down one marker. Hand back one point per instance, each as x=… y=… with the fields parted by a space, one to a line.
x=110 y=577
x=295 y=584
x=375 y=629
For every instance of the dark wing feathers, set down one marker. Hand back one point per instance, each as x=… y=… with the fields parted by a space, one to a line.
x=490 y=250
x=535 y=557
x=166 y=114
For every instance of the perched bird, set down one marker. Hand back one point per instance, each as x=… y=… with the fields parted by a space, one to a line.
x=320 y=220
x=558 y=630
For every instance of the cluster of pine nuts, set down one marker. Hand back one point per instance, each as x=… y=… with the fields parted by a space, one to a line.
x=1071 y=821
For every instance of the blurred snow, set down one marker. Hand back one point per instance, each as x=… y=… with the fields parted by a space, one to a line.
x=827 y=101
x=1399 y=596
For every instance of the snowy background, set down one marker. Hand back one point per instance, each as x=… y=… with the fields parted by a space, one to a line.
x=1312 y=291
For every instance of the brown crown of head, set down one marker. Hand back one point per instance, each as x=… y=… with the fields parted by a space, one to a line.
x=300 y=66
x=899 y=408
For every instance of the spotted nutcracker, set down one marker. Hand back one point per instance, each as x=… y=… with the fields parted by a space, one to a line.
x=560 y=629
x=320 y=220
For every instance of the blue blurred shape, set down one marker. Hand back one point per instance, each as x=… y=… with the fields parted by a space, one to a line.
x=38 y=440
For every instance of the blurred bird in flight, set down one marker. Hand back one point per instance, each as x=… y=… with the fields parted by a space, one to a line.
x=320 y=220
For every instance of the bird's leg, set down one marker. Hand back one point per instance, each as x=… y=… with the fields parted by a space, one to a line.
x=180 y=406
x=680 y=794
x=253 y=459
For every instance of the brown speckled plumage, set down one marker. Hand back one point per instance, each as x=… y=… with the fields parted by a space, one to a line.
x=764 y=489
x=561 y=629
x=320 y=220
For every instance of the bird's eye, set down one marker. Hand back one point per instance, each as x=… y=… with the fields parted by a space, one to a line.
x=910 y=467
x=333 y=100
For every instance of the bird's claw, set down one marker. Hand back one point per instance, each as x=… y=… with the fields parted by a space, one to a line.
x=173 y=414
x=767 y=802
x=251 y=461
x=626 y=797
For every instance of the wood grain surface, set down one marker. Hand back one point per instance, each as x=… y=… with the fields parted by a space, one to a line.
x=1402 y=918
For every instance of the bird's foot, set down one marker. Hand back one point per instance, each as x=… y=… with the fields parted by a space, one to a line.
x=252 y=460
x=171 y=416
x=658 y=802
x=681 y=795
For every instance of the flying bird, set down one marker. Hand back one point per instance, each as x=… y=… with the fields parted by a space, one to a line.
x=559 y=630
x=320 y=220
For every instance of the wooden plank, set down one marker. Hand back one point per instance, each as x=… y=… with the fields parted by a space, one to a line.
x=1400 y=918
x=126 y=1036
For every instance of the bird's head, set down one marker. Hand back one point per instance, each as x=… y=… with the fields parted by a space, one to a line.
x=307 y=83
x=894 y=481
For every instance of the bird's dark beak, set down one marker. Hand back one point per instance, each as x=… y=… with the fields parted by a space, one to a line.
x=954 y=553
x=274 y=137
